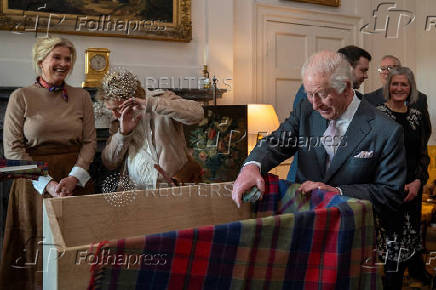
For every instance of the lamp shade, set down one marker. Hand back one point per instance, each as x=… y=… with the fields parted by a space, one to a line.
x=262 y=118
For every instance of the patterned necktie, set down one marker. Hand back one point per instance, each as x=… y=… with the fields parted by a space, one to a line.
x=330 y=141
x=51 y=88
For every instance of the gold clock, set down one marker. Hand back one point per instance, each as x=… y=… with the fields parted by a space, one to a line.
x=96 y=66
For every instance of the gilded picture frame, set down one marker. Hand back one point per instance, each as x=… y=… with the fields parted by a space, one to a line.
x=148 y=19
x=334 y=3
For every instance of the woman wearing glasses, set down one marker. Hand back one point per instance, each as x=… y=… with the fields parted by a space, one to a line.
x=377 y=97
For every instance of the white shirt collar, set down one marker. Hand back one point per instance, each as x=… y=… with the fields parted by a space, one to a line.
x=348 y=115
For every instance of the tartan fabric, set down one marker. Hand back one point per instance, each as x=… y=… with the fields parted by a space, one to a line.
x=42 y=169
x=316 y=242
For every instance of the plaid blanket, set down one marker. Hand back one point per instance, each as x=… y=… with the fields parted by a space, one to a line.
x=34 y=173
x=313 y=242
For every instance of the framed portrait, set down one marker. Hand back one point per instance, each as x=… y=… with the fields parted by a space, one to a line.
x=335 y=3
x=149 y=19
x=219 y=142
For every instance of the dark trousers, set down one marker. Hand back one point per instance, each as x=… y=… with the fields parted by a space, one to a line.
x=394 y=274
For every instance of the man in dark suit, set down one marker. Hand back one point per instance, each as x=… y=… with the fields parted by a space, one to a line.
x=345 y=145
x=359 y=59
x=387 y=63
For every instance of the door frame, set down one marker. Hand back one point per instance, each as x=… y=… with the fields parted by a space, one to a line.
x=267 y=13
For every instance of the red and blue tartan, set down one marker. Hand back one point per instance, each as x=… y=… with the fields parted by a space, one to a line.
x=42 y=169
x=321 y=241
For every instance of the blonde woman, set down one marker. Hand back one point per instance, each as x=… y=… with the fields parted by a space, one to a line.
x=47 y=121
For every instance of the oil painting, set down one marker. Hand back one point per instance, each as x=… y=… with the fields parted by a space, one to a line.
x=151 y=19
x=219 y=142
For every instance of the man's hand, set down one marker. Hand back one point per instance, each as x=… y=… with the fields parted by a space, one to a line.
x=412 y=189
x=308 y=186
x=66 y=186
x=247 y=178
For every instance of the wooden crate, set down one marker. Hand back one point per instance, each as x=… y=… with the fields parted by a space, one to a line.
x=72 y=224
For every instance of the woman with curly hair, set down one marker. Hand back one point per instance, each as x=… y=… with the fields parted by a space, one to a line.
x=147 y=139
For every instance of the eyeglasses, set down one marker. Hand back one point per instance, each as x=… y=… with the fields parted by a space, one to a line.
x=386 y=68
x=322 y=93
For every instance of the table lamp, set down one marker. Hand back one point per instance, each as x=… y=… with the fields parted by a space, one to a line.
x=262 y=120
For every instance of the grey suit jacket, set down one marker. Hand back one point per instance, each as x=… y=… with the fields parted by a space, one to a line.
x=377 y=98
x=379 y=179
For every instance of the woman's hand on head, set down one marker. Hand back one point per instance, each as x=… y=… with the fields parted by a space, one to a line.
x=137 y=104
x=129 y=119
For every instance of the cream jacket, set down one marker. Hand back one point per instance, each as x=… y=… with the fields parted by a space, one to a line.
x=166 y=114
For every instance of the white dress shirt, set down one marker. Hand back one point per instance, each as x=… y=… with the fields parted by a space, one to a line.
x=345 y=119
x=81 y=174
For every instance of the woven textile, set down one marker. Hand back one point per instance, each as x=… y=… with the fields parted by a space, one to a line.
x=316 y=242
x=42 y=169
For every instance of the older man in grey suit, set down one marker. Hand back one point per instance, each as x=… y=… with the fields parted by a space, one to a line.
x=345 y=145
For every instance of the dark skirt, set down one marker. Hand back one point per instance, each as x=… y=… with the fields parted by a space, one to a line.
x=21 y=262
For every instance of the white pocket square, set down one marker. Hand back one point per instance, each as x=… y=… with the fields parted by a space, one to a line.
x=365 y=154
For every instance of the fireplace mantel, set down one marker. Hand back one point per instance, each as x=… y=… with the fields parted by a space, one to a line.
x=201 y=95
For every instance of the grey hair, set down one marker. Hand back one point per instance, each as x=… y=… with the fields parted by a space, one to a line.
x=332 y=65
x=43 y=47
x=394 y=58
x=402 y=71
